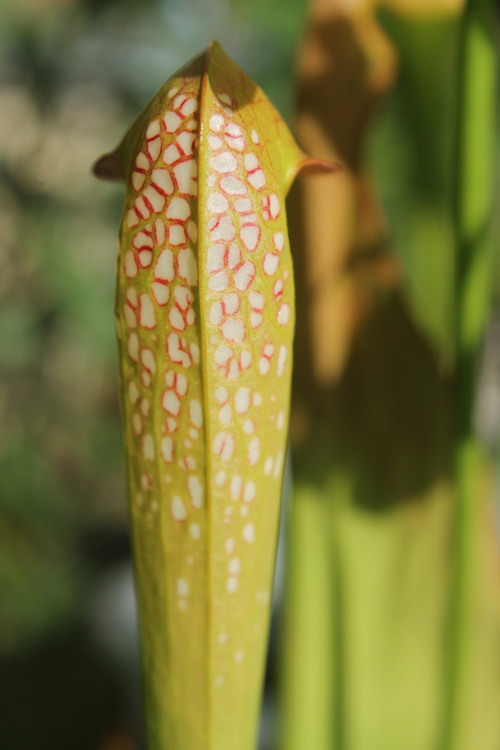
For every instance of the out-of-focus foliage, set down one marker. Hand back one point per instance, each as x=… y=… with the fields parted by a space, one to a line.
x=391 y=618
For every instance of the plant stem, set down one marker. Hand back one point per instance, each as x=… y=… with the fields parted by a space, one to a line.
x=473 y=271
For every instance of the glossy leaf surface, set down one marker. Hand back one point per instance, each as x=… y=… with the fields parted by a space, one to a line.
x=205 y=311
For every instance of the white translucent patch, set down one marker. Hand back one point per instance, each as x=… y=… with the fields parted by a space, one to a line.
x=167 y=449
x=220 y=478
x=132 y=218
x=147 y=314
x=181 y=383
x=215 y=260
x=225 y=415
x=222 y=228
x=235 y=487
x=233 y=185
x=183 y=297
x=268 y=466
x=255 y=136
x=182 y=587
x=133 y=393
x=215 y=142
x=257 y=179
x=186 y=142
x=162 y=180
x=278 y=289
x=234 y=566
x=223 y=445
x=221 y=394
x=178 y=209
x=236 y=143
x=171 y=154
x=253 y=451
x=283 y=315
x=244 y=276
x=195 y=530
x=218 y=282
x=189 y=107
x=245 y=359
x=248 y=426
x=148 y=360
x=223 y=354
x=195 y=413
x=216 y=314
x=178 y=509
x=270 y=263
x=176 y=319
x=156 y=200
x=281 y=360
x=138 y=180
x=176 y=235
x=187 y=267
x=194 y=351
x=171 y=403
x=274 y=205
x=132 y=296
x=250 y=234
x=195 y=489
x=130 y=265
x=217 y=203
x=249 y=533
x=141 y=208
x=185 y=177
x=161 y=292
x=231 y=303
x=280 y=421
x=242 y=400
x=233 y=256
x=133 y=346
x=279 y=241
x=231 y=585
x=216 y=122
x=229 y=546
x=223 y=163
x=251 y=162
x=234 y=330
x=159 y=231
x=142 y=161
x=145 y=258
x=243 y=205
x=154 y=148
x=172 y=122
x=148 y=447
x=257 y=300
x=250 y=489
x=137 y=424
